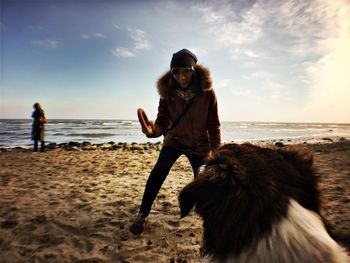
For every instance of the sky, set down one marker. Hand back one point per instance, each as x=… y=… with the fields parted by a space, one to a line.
x=270 y=60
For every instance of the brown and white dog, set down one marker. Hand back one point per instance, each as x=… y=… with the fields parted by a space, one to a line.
x=260 y=204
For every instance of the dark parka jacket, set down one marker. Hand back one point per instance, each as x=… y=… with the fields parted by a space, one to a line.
x=198 y=131
x=38 y=127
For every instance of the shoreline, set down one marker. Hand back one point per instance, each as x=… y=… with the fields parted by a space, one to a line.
x=112 y=145
x=74 y=205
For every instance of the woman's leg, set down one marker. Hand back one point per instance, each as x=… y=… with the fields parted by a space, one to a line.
x=35 y=145
x=196 y=161
x=166 y=159
x=42 y=146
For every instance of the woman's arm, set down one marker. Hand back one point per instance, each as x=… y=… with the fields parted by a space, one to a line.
x=213 y=123
x=162 y=122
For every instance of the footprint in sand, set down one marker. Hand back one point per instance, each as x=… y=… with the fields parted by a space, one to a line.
x=77 y=243
x=161 y=196
x=83 y=244
x=166 y=204
x=89 y=190
x=173 y=223
x=5 y=241
x=46 y=257
x=54 y=204
x=5 y=179
x=8 y=224
x=29 y=227
x=88 y=245
x=40 y=219
x=67 y=227
x=84 y=206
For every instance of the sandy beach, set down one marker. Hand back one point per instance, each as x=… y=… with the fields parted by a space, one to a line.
x=74 y=205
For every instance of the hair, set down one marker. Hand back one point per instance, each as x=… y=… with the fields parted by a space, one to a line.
x=247 y=194
x=38 y=108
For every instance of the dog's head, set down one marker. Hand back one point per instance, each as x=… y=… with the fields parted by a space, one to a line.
x=244 y=189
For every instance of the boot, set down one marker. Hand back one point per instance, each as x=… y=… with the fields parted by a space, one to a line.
x=138 y=225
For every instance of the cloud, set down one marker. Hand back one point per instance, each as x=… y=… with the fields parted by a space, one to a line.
x=99 y=35
x=209 y=14
x=234 y=88
x=123 y=52
x=267 y=29
x=320 y=29
x=232 y=26
x=139 y=37
x=261 y=75
x=225 y=83
x=241 y=92
x=136 y=34
x=198 y=51
x=307 y=24
x=96 y=35
x=46 y=43
x=270 y=88
x=235 y=26
x=314 y=35
x=242 y=52
x=85 y=36
x=139 y=43
x=329 y=92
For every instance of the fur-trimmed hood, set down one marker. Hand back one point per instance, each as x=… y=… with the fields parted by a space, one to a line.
x=203 y=78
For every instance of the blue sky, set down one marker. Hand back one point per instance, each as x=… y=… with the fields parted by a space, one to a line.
x=270 y=60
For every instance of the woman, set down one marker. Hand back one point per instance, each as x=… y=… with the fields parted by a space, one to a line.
x=38 y=129
x=185 y=90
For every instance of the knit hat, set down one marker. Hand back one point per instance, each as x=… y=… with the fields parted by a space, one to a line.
x=183 y=59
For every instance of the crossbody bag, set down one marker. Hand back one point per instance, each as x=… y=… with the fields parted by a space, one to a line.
x=176 y=122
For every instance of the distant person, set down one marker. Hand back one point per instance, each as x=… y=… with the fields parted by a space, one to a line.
x=38 y=129
x=188 y=119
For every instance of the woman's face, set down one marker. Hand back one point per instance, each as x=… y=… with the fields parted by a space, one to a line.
x=183 y=76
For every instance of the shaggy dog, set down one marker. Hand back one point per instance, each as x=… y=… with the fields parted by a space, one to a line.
x=260 y=205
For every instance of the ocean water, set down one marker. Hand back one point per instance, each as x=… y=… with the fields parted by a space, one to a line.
x=16 y=132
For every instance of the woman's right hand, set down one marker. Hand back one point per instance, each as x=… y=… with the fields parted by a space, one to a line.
x=148 y=129
x=146 y=125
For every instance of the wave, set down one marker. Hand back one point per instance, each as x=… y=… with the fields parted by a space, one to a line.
x=118 y=123
x=6 y=133
x=90 y=135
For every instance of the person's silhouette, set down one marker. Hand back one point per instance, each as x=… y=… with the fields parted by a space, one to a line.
x=38 y=128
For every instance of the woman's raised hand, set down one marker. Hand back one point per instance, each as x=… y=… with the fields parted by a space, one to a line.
x=147 y=126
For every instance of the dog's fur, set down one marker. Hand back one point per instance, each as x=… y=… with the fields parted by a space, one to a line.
x=260 y=204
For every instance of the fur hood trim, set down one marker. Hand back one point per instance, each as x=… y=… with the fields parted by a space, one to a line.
x=203 y=77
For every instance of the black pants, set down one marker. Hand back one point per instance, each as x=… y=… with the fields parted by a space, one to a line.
x=42 y=145
x=167 y=157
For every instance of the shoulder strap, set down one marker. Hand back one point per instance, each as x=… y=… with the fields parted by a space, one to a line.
x=175 y=123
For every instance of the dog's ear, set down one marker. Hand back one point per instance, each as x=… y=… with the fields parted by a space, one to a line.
x=191 y=194
x=186 y=199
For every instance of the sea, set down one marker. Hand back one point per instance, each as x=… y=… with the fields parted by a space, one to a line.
x=16 y=132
